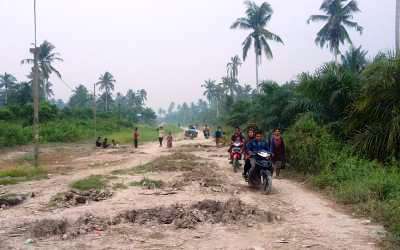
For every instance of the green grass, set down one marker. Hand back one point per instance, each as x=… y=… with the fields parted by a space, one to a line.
x=147 y=183
x=147 y=133
x=97 y=182
x=19 y=174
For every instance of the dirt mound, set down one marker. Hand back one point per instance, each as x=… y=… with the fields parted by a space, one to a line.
x=181 y=216
x=75 y=197
x=207 y=211
x=48 y=227
x=88 y=223
x=10 y=200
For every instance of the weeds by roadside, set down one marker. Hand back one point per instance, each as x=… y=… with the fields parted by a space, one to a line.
x=371 y=188
x=19 y=174
x=96 y=182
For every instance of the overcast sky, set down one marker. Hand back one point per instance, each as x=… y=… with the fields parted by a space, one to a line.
x=169 y=47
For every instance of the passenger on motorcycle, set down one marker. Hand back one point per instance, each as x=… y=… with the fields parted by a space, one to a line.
x=256 y=145
x=236 y=137
x=247 y=166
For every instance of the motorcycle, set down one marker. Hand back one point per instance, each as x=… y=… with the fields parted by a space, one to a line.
x=261 y=174
x=236 y=155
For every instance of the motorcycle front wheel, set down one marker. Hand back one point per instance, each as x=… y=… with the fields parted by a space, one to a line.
x=267 y=183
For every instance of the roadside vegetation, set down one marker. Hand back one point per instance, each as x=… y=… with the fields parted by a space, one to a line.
x=96 y=182
x=341 y=122
x=10 y=176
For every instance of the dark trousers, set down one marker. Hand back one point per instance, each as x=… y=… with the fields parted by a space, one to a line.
x=160 y=139
x=247 y=166
x=135 y=143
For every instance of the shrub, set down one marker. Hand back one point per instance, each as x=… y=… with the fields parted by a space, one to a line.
x=92 y=182
x=307 y=144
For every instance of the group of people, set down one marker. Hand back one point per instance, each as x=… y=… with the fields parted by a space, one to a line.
x=105 y=144
x=255 y=143
x=161 y=136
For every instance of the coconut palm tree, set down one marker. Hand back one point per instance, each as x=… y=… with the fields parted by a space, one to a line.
x=397 y=26
x=7 y=81
x=257 y=17
x=106 y=83
x=46 y=58
x=209 y=92
x=233 y=67
x=338 y=16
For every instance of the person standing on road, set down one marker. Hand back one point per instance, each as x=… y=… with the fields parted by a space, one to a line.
x=218 y=136
x=161 y=135
x=169 y=140
x=136 y=137
x=278 y=151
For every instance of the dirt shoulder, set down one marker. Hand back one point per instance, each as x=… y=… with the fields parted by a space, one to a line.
x=199 y=204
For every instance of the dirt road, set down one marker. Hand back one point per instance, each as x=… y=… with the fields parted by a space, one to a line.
x=202 y=204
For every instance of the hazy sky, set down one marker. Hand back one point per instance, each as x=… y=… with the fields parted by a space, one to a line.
x=169 y=47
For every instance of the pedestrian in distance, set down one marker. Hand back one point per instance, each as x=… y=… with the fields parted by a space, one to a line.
x=136 y=138
x=161 y=135
x=169 y=140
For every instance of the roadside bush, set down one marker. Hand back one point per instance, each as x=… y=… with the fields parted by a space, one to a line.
x=14 y=134
x=308 y=144
x=370 y=187
x=6 y=114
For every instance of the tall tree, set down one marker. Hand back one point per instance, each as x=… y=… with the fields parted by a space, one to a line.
x=171 y=107
x=338 y=16
x=7 y=81
x=257 y=17
x=46 y=58
x=106 y=83
x=397 y=33
x=209 y=86
x=233 y=67
x=80 y=98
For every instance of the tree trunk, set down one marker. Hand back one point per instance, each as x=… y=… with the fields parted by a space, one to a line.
x=257 y=63
x=6 y=96
x=336 y=58
x=217 y=108
x=106 y=101
x=397 y=27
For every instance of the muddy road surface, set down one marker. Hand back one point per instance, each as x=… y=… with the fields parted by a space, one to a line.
x=182 y=198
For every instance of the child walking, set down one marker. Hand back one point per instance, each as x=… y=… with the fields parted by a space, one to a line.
x=169 y=140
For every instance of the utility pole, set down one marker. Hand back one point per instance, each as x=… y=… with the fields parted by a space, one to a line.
x=35 y=95
x=94 y=111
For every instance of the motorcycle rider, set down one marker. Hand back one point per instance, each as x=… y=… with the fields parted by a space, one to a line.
x=256 y=145
x=236 y=137
x=247 y=166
